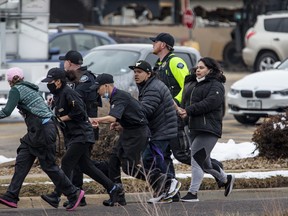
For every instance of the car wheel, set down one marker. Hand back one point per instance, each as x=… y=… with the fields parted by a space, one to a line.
x=246 y=119
x=265 y=61
x=231 y=58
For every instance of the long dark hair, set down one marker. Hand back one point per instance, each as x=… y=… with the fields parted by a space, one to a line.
x=214 y=67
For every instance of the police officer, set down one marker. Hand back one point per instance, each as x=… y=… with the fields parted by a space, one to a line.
x=170 y=68
x=80 y=79
x=78 y=135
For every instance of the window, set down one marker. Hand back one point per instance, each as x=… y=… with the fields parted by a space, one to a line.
x=114 y=62
x=63 y=42
x=276 y=25
x=84 y=42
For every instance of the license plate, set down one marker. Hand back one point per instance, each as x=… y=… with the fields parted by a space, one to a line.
x=254 y=104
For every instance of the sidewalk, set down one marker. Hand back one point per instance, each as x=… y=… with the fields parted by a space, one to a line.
x=204 y=195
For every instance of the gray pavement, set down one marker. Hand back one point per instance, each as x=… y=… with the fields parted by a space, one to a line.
x=270 y=201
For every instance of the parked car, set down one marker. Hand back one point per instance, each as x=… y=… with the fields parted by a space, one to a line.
x=259 y=95
x=62 y=40
x=267 y=41
x=115 y=59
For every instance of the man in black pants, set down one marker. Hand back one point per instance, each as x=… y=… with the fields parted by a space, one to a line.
x=127 y=112
x=80 y=79
x=39 y=141
x=78 y=133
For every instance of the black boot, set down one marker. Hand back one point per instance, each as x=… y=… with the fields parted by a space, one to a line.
x=121 y=200
x=52 y=199
x=114 y=195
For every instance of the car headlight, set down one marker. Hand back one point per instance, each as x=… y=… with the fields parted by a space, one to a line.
x=234 y=91
x=283 y=92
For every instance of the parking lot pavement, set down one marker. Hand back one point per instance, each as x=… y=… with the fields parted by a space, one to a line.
x=240 y=202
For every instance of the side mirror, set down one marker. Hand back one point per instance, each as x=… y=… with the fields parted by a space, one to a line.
x=54 y=51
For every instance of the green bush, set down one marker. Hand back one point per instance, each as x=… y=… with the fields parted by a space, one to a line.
x=271 y=137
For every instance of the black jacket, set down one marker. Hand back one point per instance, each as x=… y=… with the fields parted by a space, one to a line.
x=158 y=105
x=78 y=129
x=205 y=106
x=89 y=96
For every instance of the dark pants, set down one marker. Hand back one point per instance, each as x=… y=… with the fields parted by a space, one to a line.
x=79 y=154
x=26 y=155
x=127 y=154
x=154 y=156
x=77 y=177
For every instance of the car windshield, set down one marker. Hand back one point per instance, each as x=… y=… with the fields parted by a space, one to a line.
x=114 y=62
x=283 y=65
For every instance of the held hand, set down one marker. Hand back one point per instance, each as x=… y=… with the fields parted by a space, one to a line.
x=94 y=122
x=182 y=112
x=115 y=126
x=49 y=100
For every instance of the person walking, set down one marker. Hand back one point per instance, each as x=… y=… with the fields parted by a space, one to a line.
x=80 y=79
x=39 y=141
x=127 y=112
x=171 y=70
x=158 y=105
x=203 y=111
x=78 y=135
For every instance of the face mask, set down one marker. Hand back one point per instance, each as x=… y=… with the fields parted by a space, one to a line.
x=200 y=79
x=106 y=95
x=52 y=87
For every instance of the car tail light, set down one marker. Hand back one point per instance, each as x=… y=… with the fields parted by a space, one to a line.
x=250 y=34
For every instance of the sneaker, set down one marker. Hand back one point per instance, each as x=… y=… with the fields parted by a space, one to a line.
x=74 y=200
x=189 y=197
x=173 y=189
x=161 y=201
x=229 y=185
x=121 y=200
x=82 y=202
x=156 y=199
x=8 y=202
x=52 y=199
x=114 y=195
x=177 y=197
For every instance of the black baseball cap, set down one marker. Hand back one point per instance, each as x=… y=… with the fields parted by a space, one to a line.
x=102 y=79
x=73 y=56
x=143 y=65
x=164 y=37
x=55 y=74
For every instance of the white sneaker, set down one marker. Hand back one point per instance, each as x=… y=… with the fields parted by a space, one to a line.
x=156 y=199
x=174 y=188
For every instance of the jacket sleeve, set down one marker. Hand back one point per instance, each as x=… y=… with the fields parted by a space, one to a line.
x=150 y=101
x=13 y=99
x=179 y=70
x=210 y=102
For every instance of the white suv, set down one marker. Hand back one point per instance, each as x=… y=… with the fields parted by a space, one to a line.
x=267 y=41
